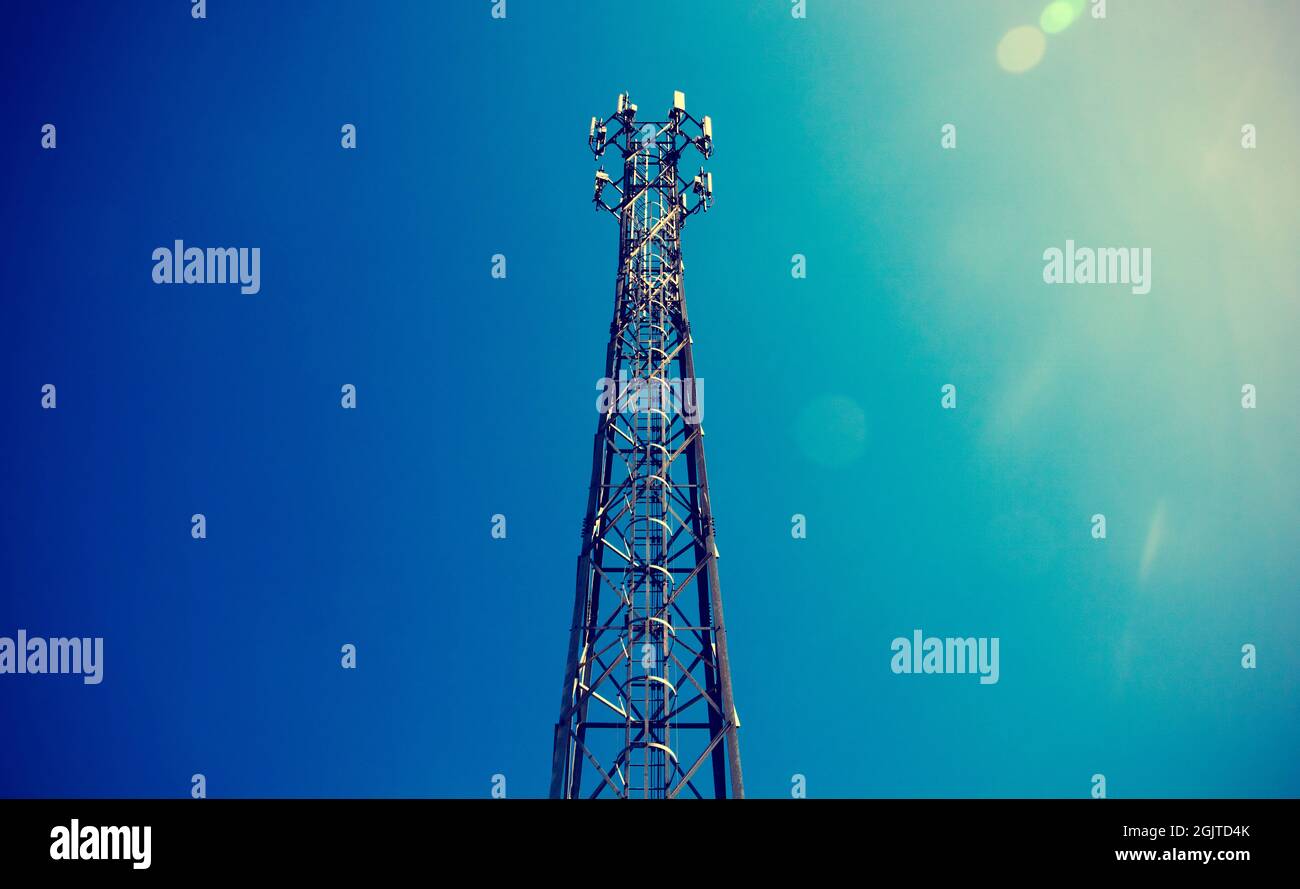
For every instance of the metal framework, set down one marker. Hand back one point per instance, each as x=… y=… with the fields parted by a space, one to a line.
x=647 y=708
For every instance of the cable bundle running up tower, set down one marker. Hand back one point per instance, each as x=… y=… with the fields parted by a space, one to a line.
x=647 y=708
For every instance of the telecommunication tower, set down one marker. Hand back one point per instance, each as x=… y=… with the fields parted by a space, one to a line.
x=647 y=708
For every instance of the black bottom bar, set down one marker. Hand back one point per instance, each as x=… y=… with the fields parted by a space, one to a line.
x=334 y=837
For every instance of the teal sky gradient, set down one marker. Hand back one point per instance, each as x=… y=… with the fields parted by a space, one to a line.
x=925 y=267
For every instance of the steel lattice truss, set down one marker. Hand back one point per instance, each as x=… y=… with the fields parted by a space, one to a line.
x=647 y=708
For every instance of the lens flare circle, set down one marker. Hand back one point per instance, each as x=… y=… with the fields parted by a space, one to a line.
x=1059 y=15
x=1021 y=48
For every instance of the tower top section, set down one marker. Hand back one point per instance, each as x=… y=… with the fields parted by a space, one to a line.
x=659 y=142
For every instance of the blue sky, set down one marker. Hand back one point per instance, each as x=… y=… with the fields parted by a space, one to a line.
x=476 y=396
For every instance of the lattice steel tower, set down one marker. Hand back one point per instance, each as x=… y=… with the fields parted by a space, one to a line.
x=647 y=705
